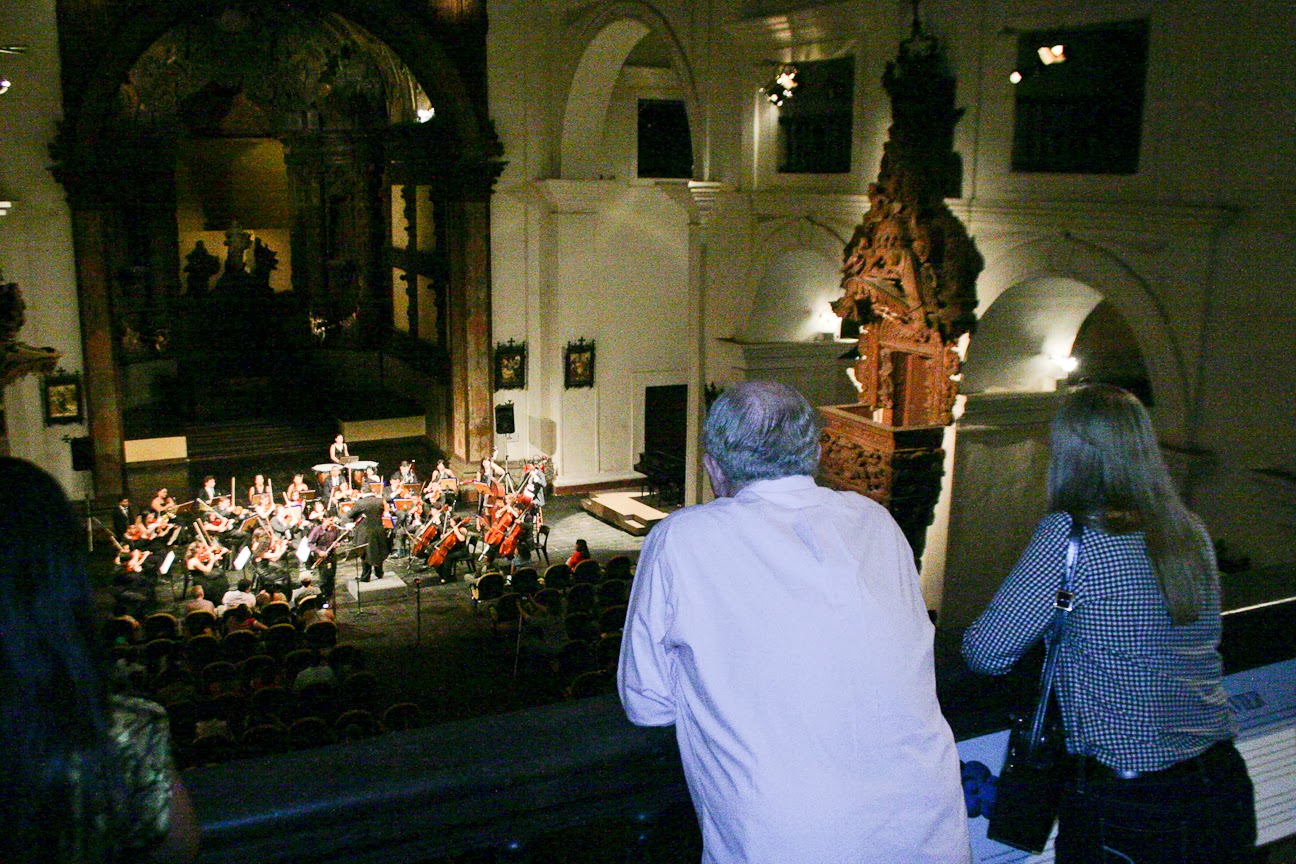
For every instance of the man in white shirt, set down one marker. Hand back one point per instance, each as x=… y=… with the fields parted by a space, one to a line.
x=305 y=590
x=240 y=596
x=782 y=630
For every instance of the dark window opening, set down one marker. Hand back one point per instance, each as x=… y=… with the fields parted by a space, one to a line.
x=1080 y=111
x=665 y=146
x=815 y=123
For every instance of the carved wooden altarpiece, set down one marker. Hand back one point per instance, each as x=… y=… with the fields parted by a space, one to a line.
x=909 y=285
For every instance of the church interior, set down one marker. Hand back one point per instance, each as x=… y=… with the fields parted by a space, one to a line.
x=555 y=230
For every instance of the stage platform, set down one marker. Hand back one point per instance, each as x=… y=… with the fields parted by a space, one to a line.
x=375 y=588
x=623 y=510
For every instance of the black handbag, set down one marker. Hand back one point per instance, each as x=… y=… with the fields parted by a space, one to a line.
x=1035 y=767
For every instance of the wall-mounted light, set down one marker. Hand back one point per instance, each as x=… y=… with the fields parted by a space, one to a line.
x=1067 y=364
x=426 y=114
x=5 y=83
x=5 y=207
x=1050 y=54
x=780 y=89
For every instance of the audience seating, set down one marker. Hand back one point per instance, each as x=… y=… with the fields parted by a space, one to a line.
x=401 y=716
x=161 y=625
x=239 y=645
x=587 y=571
x=558 y=576
x=489 y=587
x=199 y=622
x=525 y=581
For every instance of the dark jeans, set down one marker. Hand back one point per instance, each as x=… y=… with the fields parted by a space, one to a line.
x=1201 y=810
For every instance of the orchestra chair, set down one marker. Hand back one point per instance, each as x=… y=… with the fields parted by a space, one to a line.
x=296 y=661
x=607 y=651
x=357 y=724
x=612 y=619
x=318 y=700
x=574 y=657
x=612 y=592
x=158 y=654
x=558 y=576
x=279 y=639
x=489 y=587
x=590 y=684
x=220 y=677
x=161 y=625
x=618 y=568
x=239 y=645
x=308 y=732
x=274 y=702
x=264 y=739
x=581 y=598
x=198 y=622
x=580 y=627
x=505 y=610
x=259 y=671
x=182 y=717
x=359 y=690
x=542 y=541
x=200 y=651
x=525 y=581
x=321 y=635
x=278 y=612
x=401 y=717
x=345 y=659
x=587 y=571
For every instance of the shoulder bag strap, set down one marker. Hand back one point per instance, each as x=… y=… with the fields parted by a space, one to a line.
x=1062 y=605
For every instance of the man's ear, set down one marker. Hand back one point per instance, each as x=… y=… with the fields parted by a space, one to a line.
x=719 y=484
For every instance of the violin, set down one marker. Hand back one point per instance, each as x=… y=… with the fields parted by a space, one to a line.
x=452 y=539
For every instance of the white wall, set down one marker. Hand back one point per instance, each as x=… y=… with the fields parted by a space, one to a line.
x=36 y=235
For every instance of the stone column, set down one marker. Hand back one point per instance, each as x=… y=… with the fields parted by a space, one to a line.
x=703 y=199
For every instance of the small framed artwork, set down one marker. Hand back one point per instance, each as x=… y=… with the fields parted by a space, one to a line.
x=63 y=398
x=510 y=366
x=578 y=364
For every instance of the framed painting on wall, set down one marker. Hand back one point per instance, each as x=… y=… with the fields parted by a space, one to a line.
x=578 y=364
x=510 y=366
x=63 y=398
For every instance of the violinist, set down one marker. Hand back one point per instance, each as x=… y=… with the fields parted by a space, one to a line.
x=336 y=488
x=338 y=451
x=322 y=541
x=406 y=473
x=132 y=560
x=297 y=489
x=264 y=507
x=316 y=514
x=162 y=502
x=202 y=558
x=257 y=490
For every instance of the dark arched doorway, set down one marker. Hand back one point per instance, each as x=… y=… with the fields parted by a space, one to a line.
x=232 y=170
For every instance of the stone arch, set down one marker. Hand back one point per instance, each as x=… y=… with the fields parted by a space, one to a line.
x=608 y=38
x=405 y=35
x=1075 y=276
x=795 y=275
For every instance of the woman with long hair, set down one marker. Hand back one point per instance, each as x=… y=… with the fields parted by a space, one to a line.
x=1157 y=778
x=89 y=776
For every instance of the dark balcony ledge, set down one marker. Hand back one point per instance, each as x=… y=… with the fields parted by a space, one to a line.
x=426 y=794
x=429 y=793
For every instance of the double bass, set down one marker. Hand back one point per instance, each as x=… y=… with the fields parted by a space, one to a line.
x=448 y=543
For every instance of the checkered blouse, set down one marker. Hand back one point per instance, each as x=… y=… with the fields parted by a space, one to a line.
x=1136 y=692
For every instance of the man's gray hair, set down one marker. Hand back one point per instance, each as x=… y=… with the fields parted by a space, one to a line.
x=762 y=430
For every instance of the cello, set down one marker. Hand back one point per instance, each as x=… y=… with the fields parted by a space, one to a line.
x=452 y=539
x=427 y=534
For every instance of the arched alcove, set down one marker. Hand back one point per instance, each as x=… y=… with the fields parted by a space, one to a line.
x=797 y=276
x=333 y=92
x=609 y=37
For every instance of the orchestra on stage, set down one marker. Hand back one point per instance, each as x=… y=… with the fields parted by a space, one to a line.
x=349 y=511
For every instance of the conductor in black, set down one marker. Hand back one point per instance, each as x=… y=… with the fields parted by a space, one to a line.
x=370 y=534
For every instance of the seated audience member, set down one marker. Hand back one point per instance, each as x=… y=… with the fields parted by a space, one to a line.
x=198 y=602
x=307 y=589
x=582 y=553
x=241 y=618
x=320 y=673
x=240 y=596
x=88 y=775
x=317 y=612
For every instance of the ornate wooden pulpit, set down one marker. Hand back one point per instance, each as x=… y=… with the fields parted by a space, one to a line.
x=909 y=290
